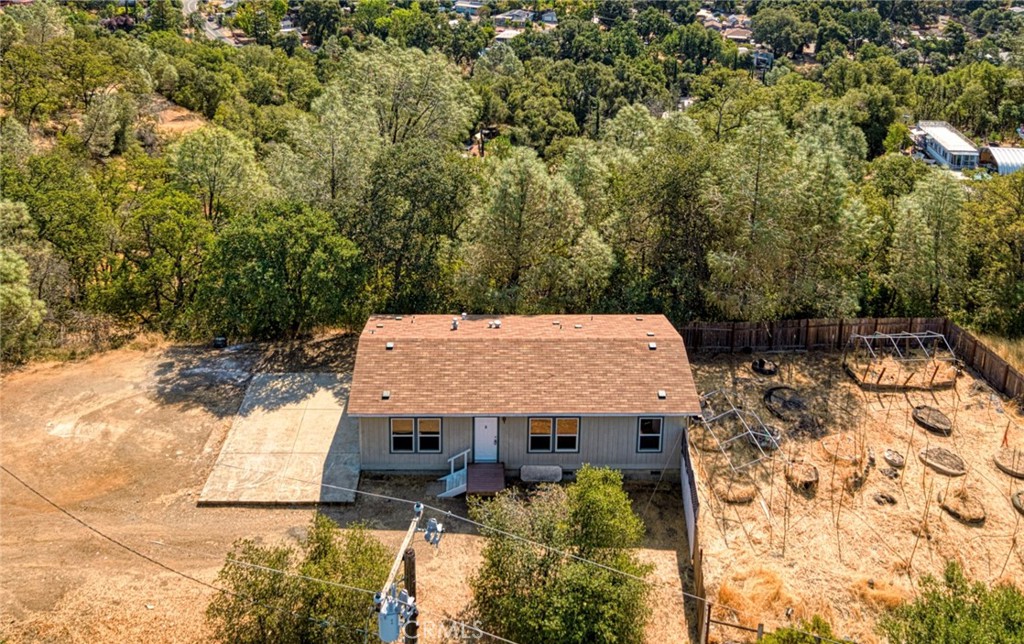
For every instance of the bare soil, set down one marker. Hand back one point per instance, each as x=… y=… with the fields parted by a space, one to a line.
x=126 y=439
x=842 y=550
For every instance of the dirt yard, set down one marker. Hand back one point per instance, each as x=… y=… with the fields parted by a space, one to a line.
x=125 y=440
x=858 y=541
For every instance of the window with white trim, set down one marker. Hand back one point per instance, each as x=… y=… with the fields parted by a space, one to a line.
x=412 y=435
x=567 y=434
x=540 y=435
x=649 y=434
x=554 y=435
x=428 y=435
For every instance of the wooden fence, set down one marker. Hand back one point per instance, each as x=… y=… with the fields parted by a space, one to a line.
x=834 y=334
x=828 y=334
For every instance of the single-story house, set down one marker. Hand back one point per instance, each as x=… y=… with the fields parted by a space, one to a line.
x=468 y=8
x=507 y=35
x=737 y=34
x=514 y=18
x=433 y=393
x=549 y=17
x=1002 y=160
x=945 y=144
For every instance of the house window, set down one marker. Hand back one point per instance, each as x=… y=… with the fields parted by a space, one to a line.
x=554 y=434
x=411 y=435
x=540 y=435
x=403 y=431
x=428 y=435
x=567 y=435
x=649 y=436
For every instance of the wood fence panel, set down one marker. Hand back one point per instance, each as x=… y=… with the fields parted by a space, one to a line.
x=835 y=334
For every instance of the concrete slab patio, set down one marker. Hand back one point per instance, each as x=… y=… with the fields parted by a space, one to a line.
x=291 y=437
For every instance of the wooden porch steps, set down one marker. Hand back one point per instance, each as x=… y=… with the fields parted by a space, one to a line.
x=485 y=479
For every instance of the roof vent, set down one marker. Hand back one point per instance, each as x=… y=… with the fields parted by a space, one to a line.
x=385 y=395
x=497 y=324
x=650 y=334
x=556 y=323
x=398 y=317
x=464 y=315
x=662 y=395
x=652 y=345
x=455 y=324
x=577 y=326
x=388 y=346
x=639 y=318
x=380 y=325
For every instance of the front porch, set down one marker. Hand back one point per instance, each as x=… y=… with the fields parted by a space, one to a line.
x=483 y=479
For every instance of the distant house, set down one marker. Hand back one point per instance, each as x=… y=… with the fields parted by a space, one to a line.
x=514 y=18
x=1002 y=160
x=737 y=34
x=482 y=394
x=549 y=17
x=468 y=8
x=945 y=144
x=507 y=35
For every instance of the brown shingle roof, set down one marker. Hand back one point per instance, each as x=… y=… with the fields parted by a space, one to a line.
x=542 y=364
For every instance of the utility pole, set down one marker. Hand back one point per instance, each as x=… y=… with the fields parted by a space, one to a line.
x=411 y=627
x=396 y=610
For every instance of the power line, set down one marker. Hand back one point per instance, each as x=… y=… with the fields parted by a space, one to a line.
x=564 y=553
x=179 y=573
x=479 y=630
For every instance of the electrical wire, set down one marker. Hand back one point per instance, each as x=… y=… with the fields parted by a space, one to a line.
x=511 y=535
x=179 y=573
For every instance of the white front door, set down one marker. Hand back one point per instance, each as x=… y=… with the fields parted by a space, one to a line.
x=485 y=439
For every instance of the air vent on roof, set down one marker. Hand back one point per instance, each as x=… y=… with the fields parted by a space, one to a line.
x=385 y=395
x=464 y=315
x=652 y=345
x=455 y=324
x=639 y=318
x=380 y=326
x=494 y=324
x=577 y=326
x=650 y=334
x=398 y=317
x=388 y=346
x=662 y=395
x=556 y=323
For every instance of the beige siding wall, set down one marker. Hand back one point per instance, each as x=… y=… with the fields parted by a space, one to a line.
x=375 y=445
x=609 y=441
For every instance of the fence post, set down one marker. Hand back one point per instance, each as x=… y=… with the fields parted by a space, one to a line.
x=760 y=632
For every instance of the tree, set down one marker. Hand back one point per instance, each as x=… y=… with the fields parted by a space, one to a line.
x=529 y=248
x=219 y=168
x=407 y=227
x=531 y=594
x=897 y=138
x=781 y=218
x=164 y=16
x=409 y=94
x=268 y=601
x=21 y=314
x=954 y=609
x=782 y=30
x=926 y=252
x=993 y=236
x=41 y=22
x=320 y=19
x=280 y=272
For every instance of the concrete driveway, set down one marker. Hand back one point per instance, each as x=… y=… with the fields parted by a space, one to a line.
x=290 y=439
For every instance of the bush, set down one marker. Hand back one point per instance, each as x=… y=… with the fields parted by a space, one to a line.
x=530 y=594
x=954 y=610
x=804 y=633
x=266 y=606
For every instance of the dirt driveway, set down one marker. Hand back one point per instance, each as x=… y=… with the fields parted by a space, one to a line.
x=125 y=440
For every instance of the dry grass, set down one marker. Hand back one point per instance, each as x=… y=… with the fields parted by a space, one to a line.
x=838 y=552
x=1008 y=349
